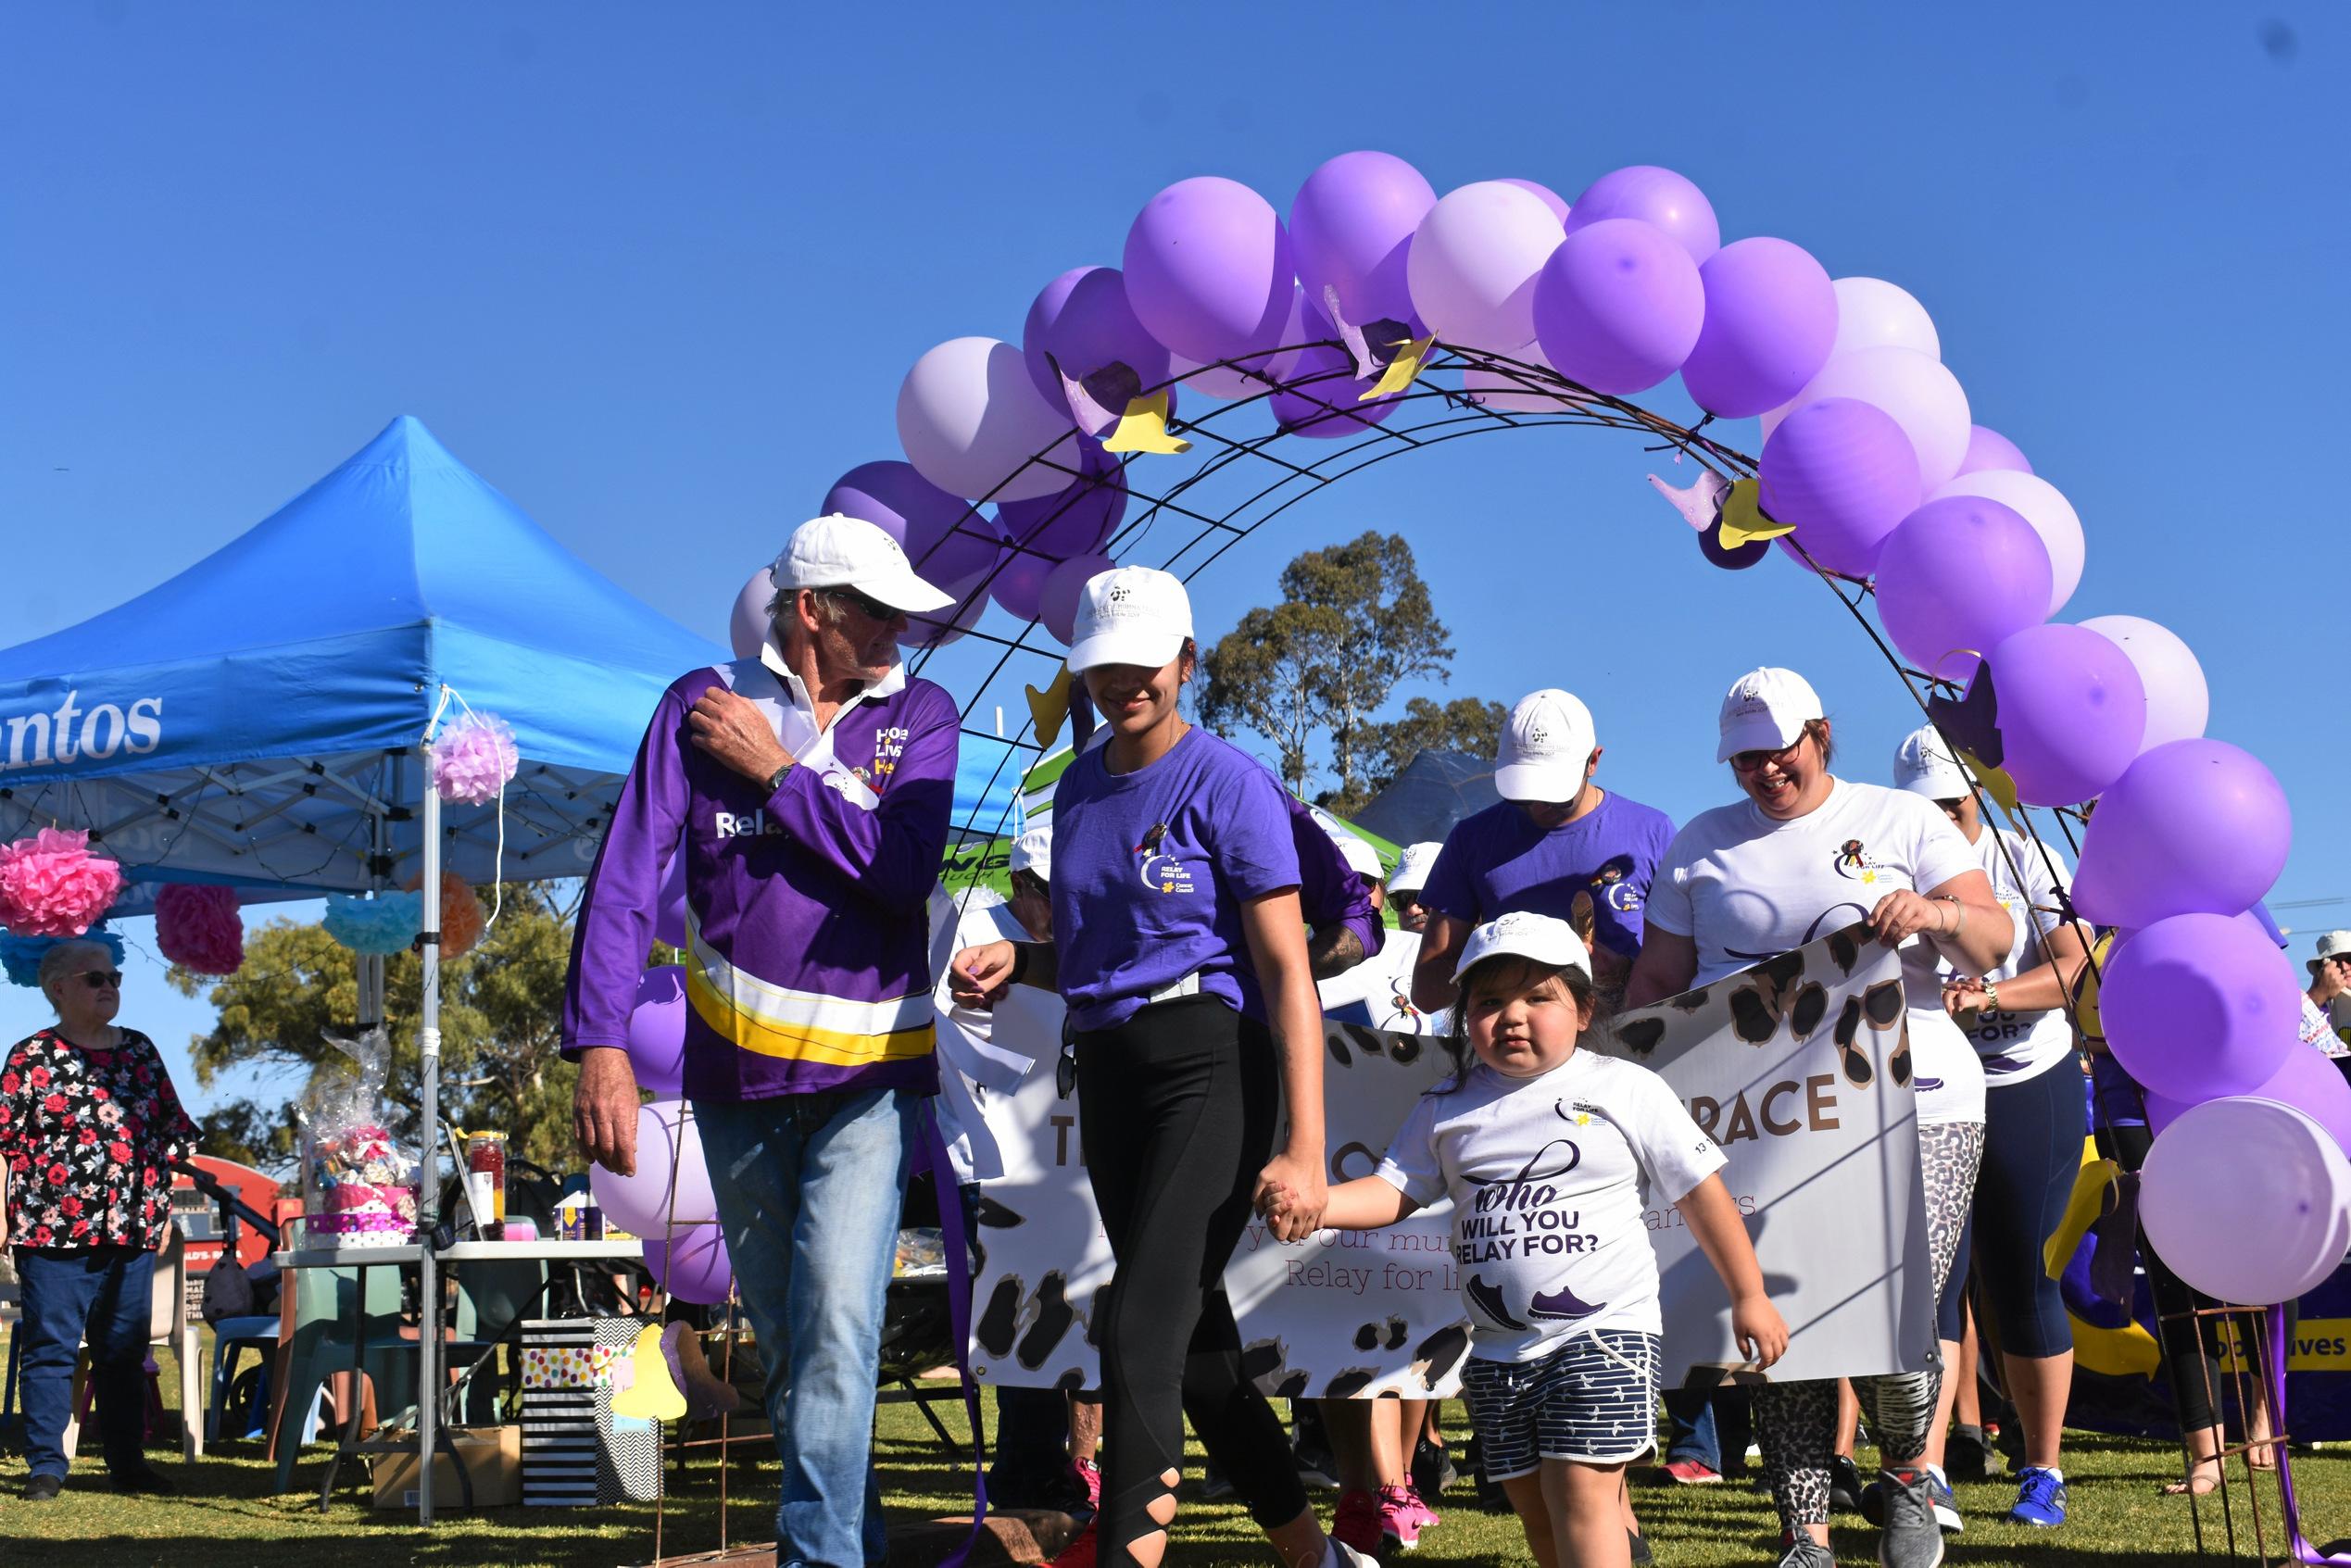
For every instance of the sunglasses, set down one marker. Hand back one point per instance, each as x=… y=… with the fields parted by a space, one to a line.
x=864 y=604
x=102 y=978
x=1753 y=761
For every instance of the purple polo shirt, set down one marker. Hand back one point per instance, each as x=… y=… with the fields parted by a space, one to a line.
x=1498 y=862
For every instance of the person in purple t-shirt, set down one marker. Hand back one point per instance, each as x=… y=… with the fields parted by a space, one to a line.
x=1556 y=844
x=1179 y=945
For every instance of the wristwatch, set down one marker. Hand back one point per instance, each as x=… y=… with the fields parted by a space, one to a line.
x=775 y=779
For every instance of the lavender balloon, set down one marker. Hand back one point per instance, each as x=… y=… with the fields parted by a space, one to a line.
x=1653 y=196
x=1351 y=227
x=2178 y=701
x=692 y=1265
x=971 y=419
x=657 y=1031
x=1083 y=324
x=2039 y=503
x=1543 y=193
x=1057 y=601
x=1843 y=473
x=2198 y=1006
x=2071 y=711
x=1924 y=397
x=1990 y=449
x=1956 y=578
x=1770 y=320
x=1320 y=397
x=2307 y=1080
x=1074 y=520
x=2192 y=826
x=1873 y=313
x=1618 y=307
x=747 y=623
x=943 y=536
x=1209 y=269
x=1018 y=582
x=1474 y=264
x=2248 y=1200
x=938 y=628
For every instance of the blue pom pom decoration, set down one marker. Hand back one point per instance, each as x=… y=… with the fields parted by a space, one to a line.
x=22 y=956
x=386 y=924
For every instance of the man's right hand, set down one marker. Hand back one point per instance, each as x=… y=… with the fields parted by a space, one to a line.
x=979 y=975
x=604 y=1109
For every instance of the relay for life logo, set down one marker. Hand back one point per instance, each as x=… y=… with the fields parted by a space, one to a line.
x=71 y=733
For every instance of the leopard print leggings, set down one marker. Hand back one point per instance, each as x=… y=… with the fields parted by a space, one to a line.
x=1796 y=1422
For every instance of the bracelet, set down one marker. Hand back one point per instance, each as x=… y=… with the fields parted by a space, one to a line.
x=1991 y=997
x=1959 y=924
x=1020 y=962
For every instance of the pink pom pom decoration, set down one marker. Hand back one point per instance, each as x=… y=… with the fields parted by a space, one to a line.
x=52 y=885
x=197 y=928
x=473 y=758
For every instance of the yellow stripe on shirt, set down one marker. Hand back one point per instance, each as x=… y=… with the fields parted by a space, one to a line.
x=798 y=1041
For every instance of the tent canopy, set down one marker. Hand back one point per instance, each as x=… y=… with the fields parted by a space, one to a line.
x=1436 y=790
x=254 y=719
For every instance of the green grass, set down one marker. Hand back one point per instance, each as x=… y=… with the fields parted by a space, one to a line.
x=226 y=1516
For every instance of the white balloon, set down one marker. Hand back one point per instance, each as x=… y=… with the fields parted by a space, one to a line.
x=746 y=624
x=1873 y=313
x=2179 y=703
x=969 y=417
x=1924 y=398
x=1474 y=262
x=2040 y=504
x=2248 y=1200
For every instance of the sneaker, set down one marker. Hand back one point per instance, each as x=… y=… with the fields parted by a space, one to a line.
x=1360 y=1521
x=1084 y=1477
x=2041 y=1497
x=1432 y=1468
x=1911 y=1537
x=1803 y=1551
x=1316 y=1469
x=1422 y=1513
x=1692 y=1472
x=1946 y=1504
x=1845 y=1486
x=1398 y=1518
x=1079 y=1553
x=1967 y=1454
x=41 y=1488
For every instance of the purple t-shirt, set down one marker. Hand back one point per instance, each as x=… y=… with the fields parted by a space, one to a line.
x=1151 y=870
x=1499 y=862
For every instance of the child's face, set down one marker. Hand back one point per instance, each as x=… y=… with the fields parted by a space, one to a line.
x=1522 y=1029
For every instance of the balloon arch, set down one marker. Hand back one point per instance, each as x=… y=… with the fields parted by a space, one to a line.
x=1130 y=426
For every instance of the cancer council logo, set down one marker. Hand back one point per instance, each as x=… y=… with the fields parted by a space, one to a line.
x=71 y=733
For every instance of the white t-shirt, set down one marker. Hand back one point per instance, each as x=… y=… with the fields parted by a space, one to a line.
x=983 y=1053
x=2018 y=1045
x=1746 y=887
x=1378 y=992
x=1547 y=1177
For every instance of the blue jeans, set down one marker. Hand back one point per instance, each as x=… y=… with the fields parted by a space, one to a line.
x=809 y=1190
x=103 y=1295
x=1710 y=1426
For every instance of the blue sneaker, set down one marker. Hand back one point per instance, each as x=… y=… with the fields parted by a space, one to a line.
x=2041 y=1497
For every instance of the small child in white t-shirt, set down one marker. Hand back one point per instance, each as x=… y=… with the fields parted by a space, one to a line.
x=1545 y=1149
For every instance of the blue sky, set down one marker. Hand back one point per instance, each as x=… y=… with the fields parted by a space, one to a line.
x=657 y=274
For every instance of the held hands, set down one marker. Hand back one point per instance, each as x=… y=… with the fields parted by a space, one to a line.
x=1290 y=1196
x=1902 y=914
x=981 y=975
x=1761 y=1333
x=1962 y=994
x=732 y=729
x=604 y=1109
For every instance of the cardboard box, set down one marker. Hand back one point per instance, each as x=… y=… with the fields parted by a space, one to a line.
x=493 y=1460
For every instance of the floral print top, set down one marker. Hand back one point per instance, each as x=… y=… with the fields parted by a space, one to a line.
x=88 y=1137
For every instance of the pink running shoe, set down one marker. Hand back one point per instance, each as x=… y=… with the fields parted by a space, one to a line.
x=1360 y=1521
x=1085 y=1475
x=1422 y=1513
x=1400 y=1516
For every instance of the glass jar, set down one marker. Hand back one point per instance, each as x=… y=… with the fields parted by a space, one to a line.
x=486 y=1179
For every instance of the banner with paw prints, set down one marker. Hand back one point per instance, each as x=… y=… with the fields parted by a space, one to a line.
x=1798 y=1067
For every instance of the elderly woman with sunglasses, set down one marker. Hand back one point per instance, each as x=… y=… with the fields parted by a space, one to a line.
x=1805 y=853
x=89 y=1126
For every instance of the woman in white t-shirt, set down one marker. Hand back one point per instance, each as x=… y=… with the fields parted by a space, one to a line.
x=1805 y=854
x=2035 y=1109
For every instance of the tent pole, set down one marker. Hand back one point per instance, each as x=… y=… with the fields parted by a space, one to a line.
x=428 y=1217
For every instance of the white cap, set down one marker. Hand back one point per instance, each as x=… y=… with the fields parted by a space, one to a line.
x=2334 y=945
x=1033 y=851
x=1412 y=867
x=1544 y=749
x=835 y=551
x=1130 y=615
x=1544 y=938
x=1923 y=765
x=1361 y=858
x=1765 y=710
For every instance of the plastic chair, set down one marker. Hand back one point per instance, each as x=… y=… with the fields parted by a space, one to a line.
x=230 y=1338
x=492 y=1298
x=168 y=1324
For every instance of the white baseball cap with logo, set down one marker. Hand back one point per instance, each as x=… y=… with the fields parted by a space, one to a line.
x=1523 y=934
x=1413 y=866
x=835 y=551
x=1033 y=851
x=1361 y=858
x=1544 y=749
x=1766 y=709
x=1923 y=765
x=1130 y=615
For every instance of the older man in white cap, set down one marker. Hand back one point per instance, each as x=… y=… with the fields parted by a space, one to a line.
x=1405 y=884
x=808 y=790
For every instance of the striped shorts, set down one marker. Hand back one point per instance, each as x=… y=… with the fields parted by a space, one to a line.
x=1593 y=1400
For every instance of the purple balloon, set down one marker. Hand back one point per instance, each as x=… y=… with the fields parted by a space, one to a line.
x=1057 y=600
x=2309 y=1081
x=1074 y=520
x=1618 y=307
x=1351 y=227
x=943 y=536
x=1209 y=269
x=2199 y=1006
x=1737 y=559
x=669 y=905
x=1771 y=319
x=1844 y=474
x=2192 y=826
x=1083 y=322
x=1020 y=584
x=1990 y=449
x=1543 y=193
x=940 y=627
x=2071 y=712
x=1319 y=396
x=694 y=1267
x=657 y=1030
x=1656 y=197
x=1956 y=577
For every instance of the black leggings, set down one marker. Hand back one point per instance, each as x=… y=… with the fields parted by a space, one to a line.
x=1177 y=1110
x=2032 y=1135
